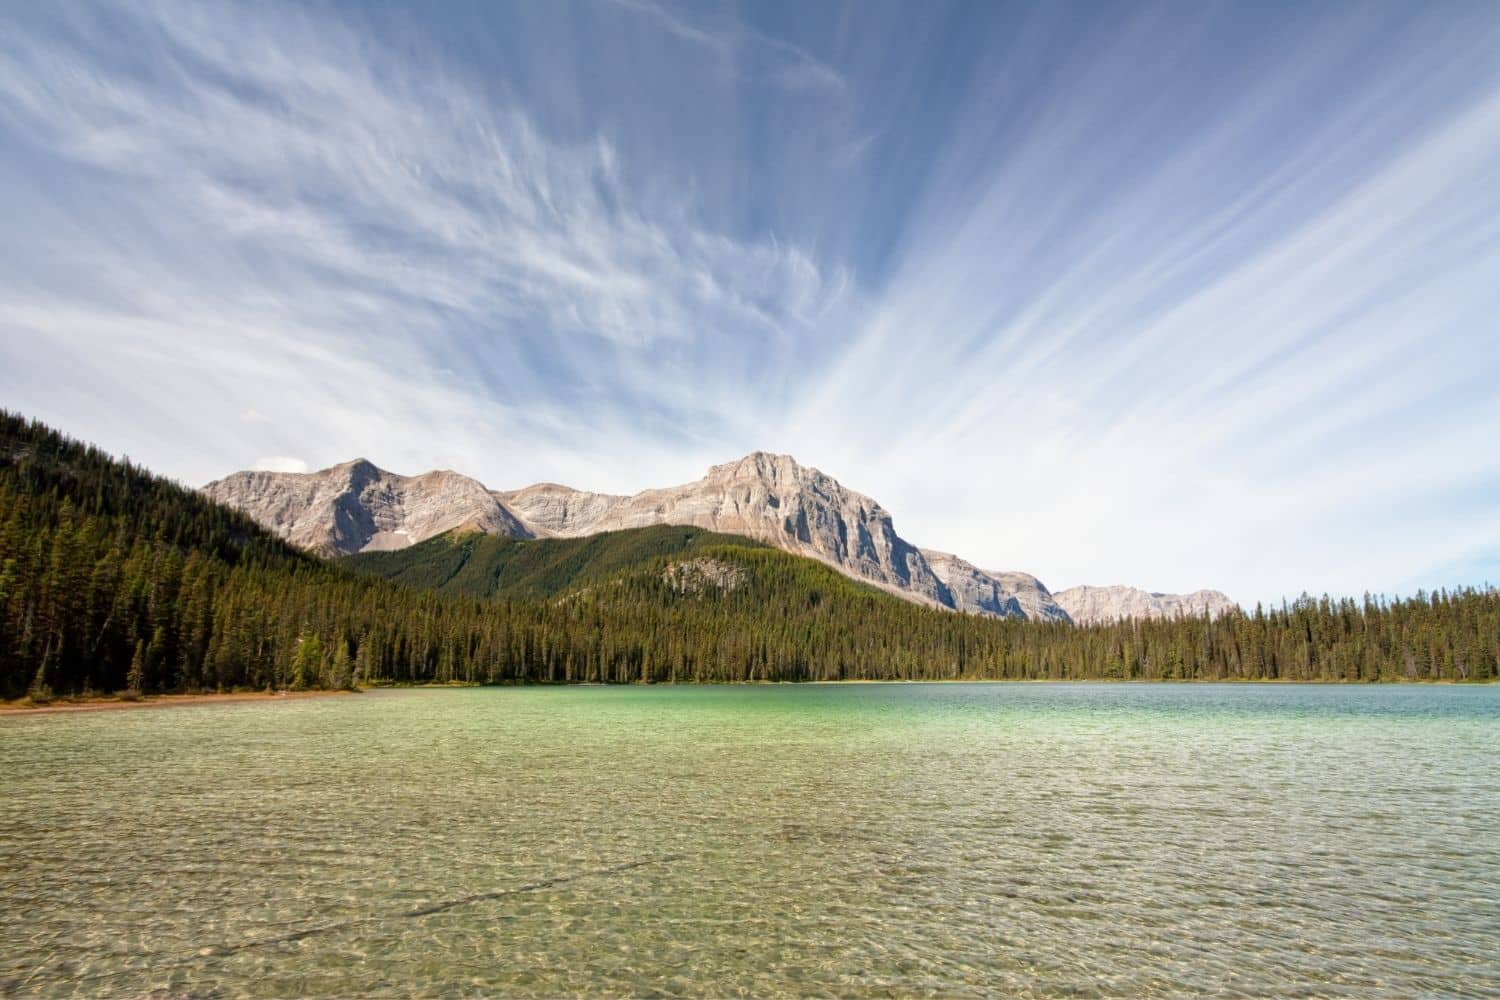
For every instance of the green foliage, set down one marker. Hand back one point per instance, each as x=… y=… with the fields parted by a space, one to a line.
x=341 y=670
x=135 y=677
x=39 y=692
x=479 y=565
x=307 y=663
x=113 y=579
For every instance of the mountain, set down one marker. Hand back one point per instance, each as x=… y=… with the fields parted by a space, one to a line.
x=553 y=511
x=772 y=499
x=1092 y=605
x=356 y=507
x=1006 y=594
x=769 y=498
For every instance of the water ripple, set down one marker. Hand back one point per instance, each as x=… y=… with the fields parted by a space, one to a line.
x=869 y=840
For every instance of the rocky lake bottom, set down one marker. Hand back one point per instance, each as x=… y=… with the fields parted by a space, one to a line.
x=831 y=840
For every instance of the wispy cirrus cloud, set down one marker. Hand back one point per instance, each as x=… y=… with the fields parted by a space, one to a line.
x=1281 y=365
x=732 y=43
x=1149 y=296
x=313 y=208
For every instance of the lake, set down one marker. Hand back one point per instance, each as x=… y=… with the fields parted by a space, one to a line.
x=851 y=840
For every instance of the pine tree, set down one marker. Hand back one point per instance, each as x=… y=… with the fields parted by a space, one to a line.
x=307 y=665
x=364 y=662
x=136 y=677
x=341 y=675
x=40 y=692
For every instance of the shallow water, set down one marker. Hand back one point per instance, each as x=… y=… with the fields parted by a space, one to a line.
x=1036 y=840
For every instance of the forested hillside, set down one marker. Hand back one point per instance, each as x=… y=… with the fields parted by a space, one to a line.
x=480 y=565
x=113 y=579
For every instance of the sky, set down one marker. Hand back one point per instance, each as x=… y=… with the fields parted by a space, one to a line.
x=1176 y=295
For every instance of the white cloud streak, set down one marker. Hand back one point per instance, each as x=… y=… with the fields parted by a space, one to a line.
x=1184 y=406
x=791 y=66
x=1244 y=359
x=329 y=228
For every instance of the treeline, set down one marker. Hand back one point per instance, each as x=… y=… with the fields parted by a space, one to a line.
x=796 y=619
x=115 y=580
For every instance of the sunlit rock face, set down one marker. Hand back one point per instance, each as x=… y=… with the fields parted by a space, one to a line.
x=770 y=498
x=558 y=511
x=991 y=592
x=1091 y=605
x=697 y=576
x=356 y=507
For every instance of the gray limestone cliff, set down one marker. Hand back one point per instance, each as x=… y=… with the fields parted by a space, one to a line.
x=1092 y=605
x=991 y=592
x=356 y=507
x=770 y=498
x=557 y=511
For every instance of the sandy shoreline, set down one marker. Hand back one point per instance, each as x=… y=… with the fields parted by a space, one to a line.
x=109 y=704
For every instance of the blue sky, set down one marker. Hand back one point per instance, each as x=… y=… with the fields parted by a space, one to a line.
x=1175 y=295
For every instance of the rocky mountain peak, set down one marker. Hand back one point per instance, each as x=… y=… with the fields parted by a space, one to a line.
x=1092 y=605
x=766 y=467
x=1005 y=594
x=359 y=468
x=357 y=506
x=769 y=497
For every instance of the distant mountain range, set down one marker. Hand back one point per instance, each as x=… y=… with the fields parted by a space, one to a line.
x=1091 y=605
x=357 y=507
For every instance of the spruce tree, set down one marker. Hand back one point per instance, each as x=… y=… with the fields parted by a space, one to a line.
x=341 y=674
x=136 y=677
x=307 y=665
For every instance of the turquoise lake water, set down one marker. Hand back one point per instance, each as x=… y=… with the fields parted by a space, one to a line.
x=851 y=840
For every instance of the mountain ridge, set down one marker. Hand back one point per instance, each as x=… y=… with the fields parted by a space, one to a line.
x=764 y=496
x=356 y=506
x=1089 y=605
x=774 y=499
x=1007 y=593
